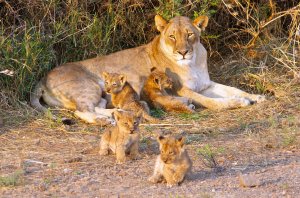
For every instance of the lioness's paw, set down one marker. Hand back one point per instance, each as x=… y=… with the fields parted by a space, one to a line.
x=240 y=102
x=258 y=98
x=192 y=107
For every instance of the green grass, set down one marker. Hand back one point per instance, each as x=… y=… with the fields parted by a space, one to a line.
x=12 y=180
x=208 y=155
x=158 y=113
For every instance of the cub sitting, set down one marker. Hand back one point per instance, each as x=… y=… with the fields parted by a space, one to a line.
x=173 y=163
x=123 y=95
x=123 y=138
x=154 y=93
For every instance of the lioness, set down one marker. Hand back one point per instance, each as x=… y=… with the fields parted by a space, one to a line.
x=176 y=51
x=173 y=163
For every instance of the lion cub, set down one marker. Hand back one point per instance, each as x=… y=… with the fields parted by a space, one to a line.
x=123 y=95
x=173 y=163
x=154 y=93
x=123 y=138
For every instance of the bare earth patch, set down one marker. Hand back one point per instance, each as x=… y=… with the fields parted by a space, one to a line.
x=256 y=150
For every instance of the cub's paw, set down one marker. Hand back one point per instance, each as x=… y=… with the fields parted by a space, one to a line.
x=103 y=152
x=154 y=179
x=170 y=185
x=120 y=161
x=135 y=157
x=178 y=177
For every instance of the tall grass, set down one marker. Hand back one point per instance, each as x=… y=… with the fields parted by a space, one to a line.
x=37 y=35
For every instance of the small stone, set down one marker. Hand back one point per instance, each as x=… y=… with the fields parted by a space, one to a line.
x=248 y=181
x=67 y=170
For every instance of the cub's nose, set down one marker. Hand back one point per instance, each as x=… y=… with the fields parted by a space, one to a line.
x=182 y=52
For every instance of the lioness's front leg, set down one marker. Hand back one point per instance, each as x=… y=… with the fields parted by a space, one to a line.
x=213 y=103
x=216 y=90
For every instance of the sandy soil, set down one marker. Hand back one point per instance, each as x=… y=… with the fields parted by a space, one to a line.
x=258 y=143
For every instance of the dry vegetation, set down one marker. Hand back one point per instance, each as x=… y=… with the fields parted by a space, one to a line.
x=253 y=45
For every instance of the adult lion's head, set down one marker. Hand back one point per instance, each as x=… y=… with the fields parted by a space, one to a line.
x=180 y=36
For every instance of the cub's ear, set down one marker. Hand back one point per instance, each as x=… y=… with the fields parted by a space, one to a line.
x=180 y=141
x=117 y=115
x=160 y=23
x=105 y=75
x=160 y=138
x=153 y=69
x=201 y=22
x=139 y=115
x=123 y=79
x=156 y=80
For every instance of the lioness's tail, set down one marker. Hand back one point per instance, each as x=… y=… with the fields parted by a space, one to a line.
x=36 y=95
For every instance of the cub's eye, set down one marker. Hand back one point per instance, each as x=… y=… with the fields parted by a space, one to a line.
x=171 y=152
x=126 y=123
x=172 y=37
x=106 y=82
x=190 y=34
x=135 y=123
x=114 y=84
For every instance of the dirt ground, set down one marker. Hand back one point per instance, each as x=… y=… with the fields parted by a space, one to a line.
x=256 y=146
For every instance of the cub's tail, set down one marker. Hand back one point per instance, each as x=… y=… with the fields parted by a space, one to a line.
x=36 y=95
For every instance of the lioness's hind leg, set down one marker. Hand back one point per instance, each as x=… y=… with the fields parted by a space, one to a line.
x=217 y=90
x=102 y=104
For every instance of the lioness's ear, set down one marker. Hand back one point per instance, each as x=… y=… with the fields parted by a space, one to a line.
x=201 y=22
x=122 y=78
x=180 y=141
x=160 y=23
x=104 y=74
x=153 y=69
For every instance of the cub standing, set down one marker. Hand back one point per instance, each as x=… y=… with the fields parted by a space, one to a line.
x=123 y=95
x=123 y=138
x=173 y=163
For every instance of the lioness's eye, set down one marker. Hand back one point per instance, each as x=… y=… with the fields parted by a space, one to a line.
x=190 y=34
x=115 y=84
x=172 y=36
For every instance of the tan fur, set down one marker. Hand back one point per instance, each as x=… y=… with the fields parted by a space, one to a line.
x=123 y=138
x=123 y=95
x=154 y=93
x=176 y=51
x=173 y=163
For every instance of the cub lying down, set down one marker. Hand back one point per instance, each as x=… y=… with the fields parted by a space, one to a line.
x=154 y=93
x=123 y=138
x=173 y=163
x=123 y=95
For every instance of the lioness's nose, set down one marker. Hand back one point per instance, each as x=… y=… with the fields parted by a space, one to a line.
x=182 y=52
